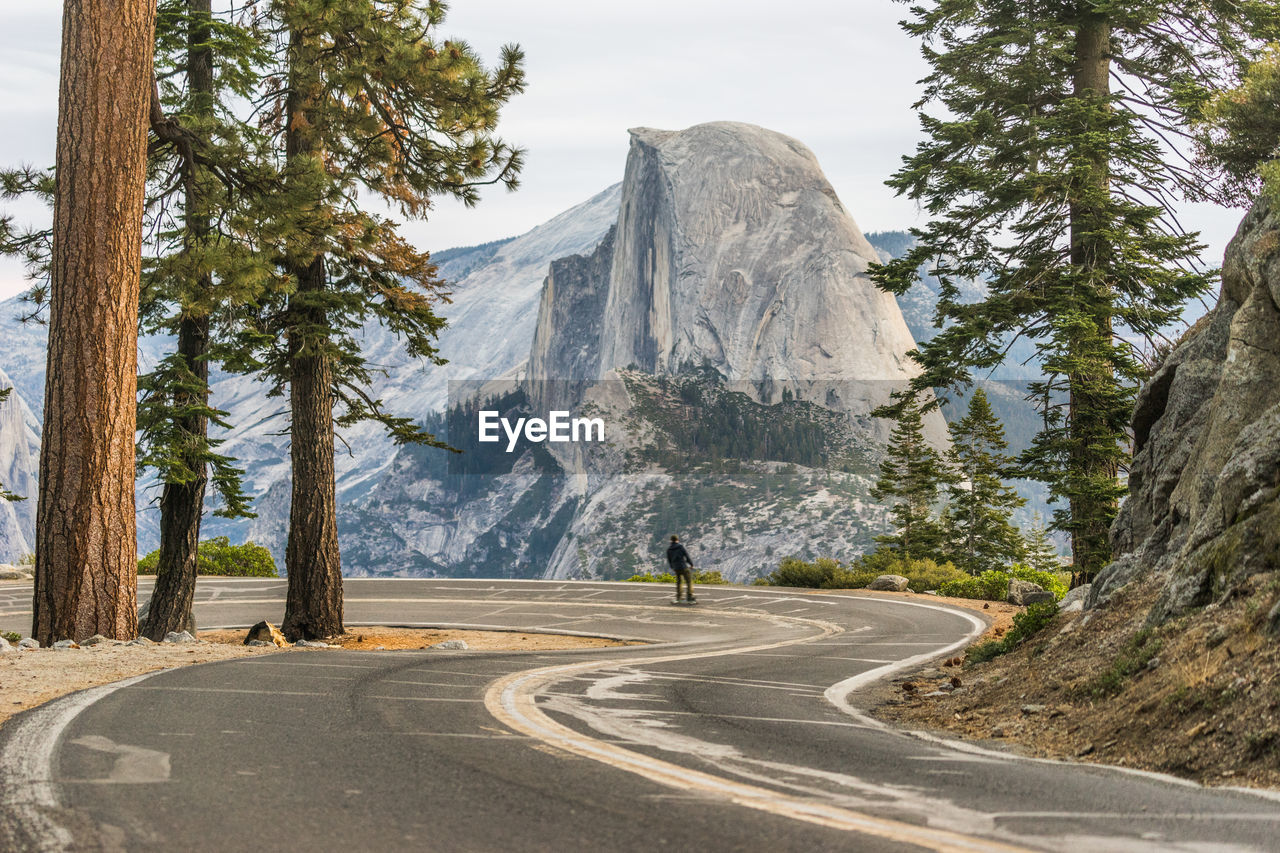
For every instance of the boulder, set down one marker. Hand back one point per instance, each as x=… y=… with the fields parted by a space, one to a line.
x=96 y=639
x=11 y=574
x=267 y=633
x=180 y=637
x=141 y=641
x=452 y=645
x=311 y=644
x=5 y=647
x=1023 y=593
x=890 y=583
x=260 y=643
x=64 y=645
x=1203 y=511
x=28 y=643
x=1073 y=601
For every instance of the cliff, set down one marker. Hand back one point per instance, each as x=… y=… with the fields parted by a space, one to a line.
x=1202 y=519
x=733 y=252
x=19 y=467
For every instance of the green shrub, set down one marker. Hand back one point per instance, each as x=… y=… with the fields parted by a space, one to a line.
x=667 y=577
x=989 y=586
x=826 y=573
x=11 y=636
x=1025 y=625
x=796 y=572
x=219 y=558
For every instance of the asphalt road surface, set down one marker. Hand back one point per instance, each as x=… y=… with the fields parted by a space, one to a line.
x=736 y=729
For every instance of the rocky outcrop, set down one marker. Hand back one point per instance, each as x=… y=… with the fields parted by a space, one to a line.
x=19 y=466
x=1203 y=512
x=732 y=252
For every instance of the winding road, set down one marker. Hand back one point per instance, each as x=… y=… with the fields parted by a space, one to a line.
x=736 y=728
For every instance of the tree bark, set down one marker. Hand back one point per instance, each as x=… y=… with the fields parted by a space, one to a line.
x=313 y=607
x=1090 y=387
x=182 y=504
x=86 y=536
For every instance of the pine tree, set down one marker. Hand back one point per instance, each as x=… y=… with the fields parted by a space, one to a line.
x=86 y=535
x=206 y=169
x=1039 y=551
x=1240 y=132
x=980 y=502
x=911 y=474
x=1047 y=176
x=369 y=102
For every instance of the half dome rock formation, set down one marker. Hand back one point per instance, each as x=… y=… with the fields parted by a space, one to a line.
x=1203 y=513
x=731 y=251
x=19 y=464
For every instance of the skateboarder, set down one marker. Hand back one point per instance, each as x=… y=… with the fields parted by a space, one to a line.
x=682 y=564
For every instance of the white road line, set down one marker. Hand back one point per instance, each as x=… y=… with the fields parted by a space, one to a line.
x=511 y=701
x=423 y=699
x=177 y=689
x=28 y=794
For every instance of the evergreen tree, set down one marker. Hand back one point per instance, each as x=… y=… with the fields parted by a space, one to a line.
x=978 y=513
x=368 y=101
x=1047 y=175
x=1240 y=132
x=910 y=476
x=1039 y=551
x=205 y=168
x=86 y=534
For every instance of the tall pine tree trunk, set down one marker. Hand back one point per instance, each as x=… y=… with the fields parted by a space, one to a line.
x=182 y=504
x=1092 y=381
x=86 y=536
x=313 y=608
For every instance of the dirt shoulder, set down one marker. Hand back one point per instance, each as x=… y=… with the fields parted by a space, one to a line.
x=380 y=638
x=1197 y=698
x=32 y=677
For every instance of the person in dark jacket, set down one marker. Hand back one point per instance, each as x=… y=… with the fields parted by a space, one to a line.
x=681 y=564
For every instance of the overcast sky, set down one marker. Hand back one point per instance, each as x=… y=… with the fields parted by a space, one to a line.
x=838 y=75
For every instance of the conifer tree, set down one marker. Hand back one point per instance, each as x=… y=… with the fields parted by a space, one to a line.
x=1240 y=132
x=980 y=502
x=86 y=539
x=369 y=100
x=1039 y=551
x=206 y=167
x=1047 y=174
x=910 y=476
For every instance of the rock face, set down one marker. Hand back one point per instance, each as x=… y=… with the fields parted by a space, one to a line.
x=19 y=466
x=1203 y=511
x=732 y=251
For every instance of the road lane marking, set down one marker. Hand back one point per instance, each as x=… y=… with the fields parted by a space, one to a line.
x=511 y=700
x=28 y=794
